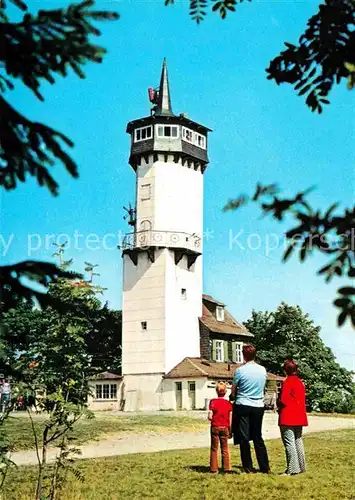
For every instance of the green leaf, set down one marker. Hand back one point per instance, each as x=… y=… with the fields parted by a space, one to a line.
x=347 y=290
x=342 y=318
x=288 y=252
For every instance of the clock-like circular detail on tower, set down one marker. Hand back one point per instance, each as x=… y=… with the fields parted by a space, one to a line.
x=174 y=238
x=157 y=237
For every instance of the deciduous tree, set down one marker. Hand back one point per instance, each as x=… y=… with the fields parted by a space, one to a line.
x=288 y=333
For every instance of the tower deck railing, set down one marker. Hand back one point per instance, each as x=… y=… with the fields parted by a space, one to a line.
x=169 y=239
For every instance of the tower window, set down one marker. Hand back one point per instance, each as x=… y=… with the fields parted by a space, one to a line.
x=145 y=191
x=168 y=131
x=194 y=138
x=142 y=134
x=183 y=293
x=187 y=135
x=143 y=325
x=220 y=313
x=201 y=141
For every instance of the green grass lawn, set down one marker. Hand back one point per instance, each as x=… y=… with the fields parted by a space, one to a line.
x=21 y=436
x=183 y=475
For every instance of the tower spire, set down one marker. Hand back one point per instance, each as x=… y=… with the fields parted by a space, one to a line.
x=163 y=107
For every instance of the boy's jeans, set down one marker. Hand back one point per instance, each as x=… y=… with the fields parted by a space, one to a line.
x=219 y=435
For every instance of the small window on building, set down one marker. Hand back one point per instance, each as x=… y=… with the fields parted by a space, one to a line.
x=143 y=325
x=200 y=141
x=106 y=391
x=187 y=135
x=219 y=350
x=192 y=386
x=113 y=391
x=98 y=391
x=239 y=352
x=220 y=313
x=145 y=192
x=183 y=293
x=143 y=133
x=168 y=131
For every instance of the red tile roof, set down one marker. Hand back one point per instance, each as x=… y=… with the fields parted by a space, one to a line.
x=199 y=368
x=228 y=326
x=211 y=299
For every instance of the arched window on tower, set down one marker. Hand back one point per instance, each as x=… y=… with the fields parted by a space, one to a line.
x=145 y=225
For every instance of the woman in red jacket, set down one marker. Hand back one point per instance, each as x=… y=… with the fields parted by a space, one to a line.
x=292 y=418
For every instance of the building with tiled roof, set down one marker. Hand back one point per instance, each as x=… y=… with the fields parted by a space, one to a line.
x=221 y=336
x=176 y=342
x=193 y=381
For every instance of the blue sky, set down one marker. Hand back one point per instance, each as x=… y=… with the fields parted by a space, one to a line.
x=261 y=132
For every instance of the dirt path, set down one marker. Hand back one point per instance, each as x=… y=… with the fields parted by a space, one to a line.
x=143 y=443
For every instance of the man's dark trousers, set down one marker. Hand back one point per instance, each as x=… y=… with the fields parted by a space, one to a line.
x=250 y=419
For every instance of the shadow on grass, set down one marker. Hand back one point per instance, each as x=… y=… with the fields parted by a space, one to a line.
x=204 y=469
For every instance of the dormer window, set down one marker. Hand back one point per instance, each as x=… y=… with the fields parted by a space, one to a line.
x=220 y=313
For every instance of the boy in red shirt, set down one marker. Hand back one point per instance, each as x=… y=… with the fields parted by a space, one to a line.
x=220 y=415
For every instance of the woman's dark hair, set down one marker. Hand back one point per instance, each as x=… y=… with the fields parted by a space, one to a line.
x=290 y=367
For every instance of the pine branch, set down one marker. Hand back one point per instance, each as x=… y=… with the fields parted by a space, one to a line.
x=27 y=148
x=12 y=289
x=51 y=43
x=3 y=5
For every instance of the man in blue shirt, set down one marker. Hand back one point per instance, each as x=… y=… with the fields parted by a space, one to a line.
x=248 y=391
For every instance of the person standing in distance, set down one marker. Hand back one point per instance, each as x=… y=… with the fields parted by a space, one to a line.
x=248 y=393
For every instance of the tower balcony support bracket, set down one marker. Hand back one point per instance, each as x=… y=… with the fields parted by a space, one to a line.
x=191 y=256
x=178 y=255
x=191 y=259
x=151 y=254
x=133 y=254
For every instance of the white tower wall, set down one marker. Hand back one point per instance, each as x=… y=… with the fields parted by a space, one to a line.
x=175 y=202
x=178 y=198
x=162 y=259
x=182 y=333
x=143 y=351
